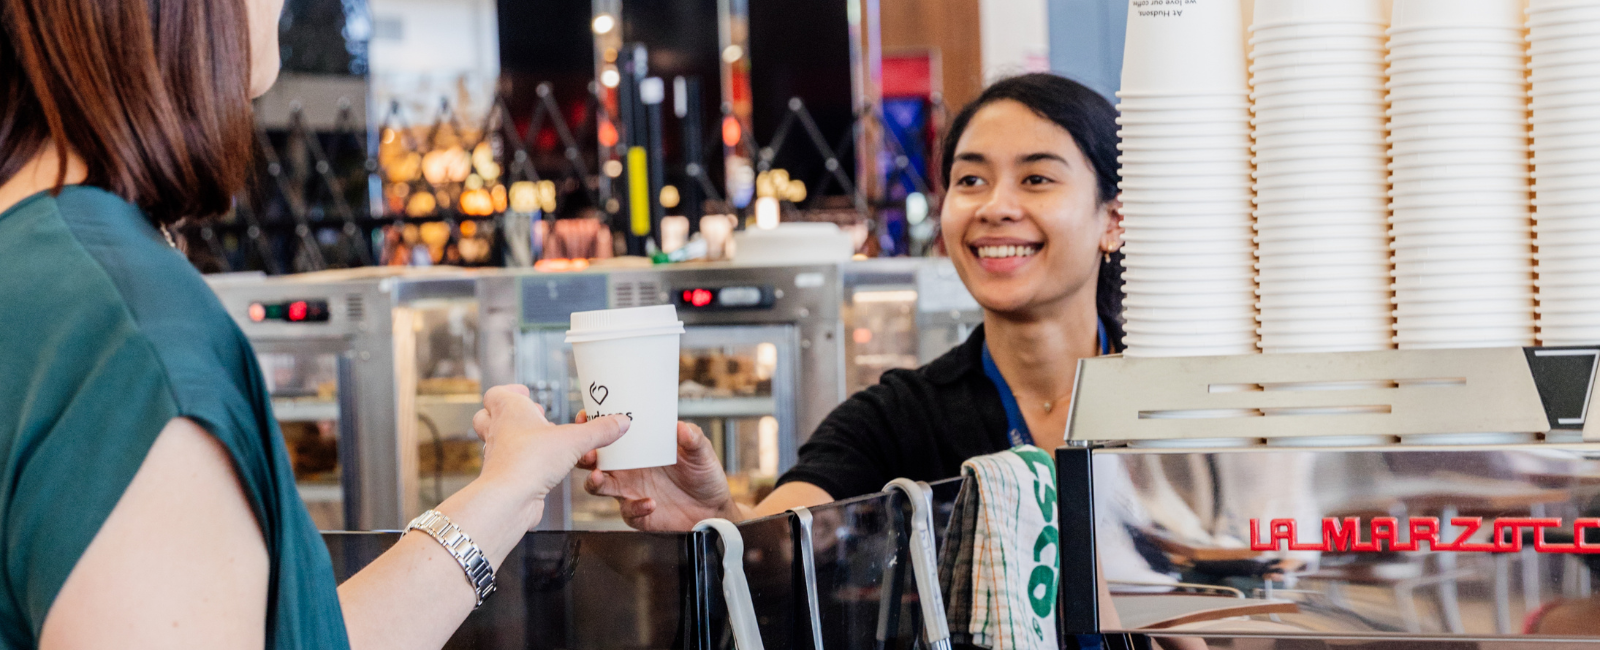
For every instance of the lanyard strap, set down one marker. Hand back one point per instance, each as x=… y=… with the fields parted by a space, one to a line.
x=1017 y=426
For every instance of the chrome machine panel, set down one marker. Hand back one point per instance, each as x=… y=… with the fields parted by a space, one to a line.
x=355 y=334
x=1443 y=497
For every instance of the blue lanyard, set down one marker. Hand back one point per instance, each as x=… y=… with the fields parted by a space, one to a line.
x=1016 y=425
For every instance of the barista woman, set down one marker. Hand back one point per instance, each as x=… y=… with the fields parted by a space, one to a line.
x=1032 y=223
x=147 y=498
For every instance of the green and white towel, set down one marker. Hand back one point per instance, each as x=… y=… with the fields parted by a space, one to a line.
x=1001 y=560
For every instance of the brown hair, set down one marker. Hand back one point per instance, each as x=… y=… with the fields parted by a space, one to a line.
x=152 y=94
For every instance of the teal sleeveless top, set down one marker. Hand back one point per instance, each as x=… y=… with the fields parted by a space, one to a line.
x=106 y=334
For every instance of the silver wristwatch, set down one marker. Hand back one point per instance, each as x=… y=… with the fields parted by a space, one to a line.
x=480 y=574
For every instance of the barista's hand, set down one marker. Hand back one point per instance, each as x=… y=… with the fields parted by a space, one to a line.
x=672 y=498
x=525 y=453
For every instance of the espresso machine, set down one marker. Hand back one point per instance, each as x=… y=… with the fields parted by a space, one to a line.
x=1395 y=499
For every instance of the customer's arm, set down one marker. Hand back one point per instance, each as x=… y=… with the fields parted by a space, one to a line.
x=181 y=562
x=415 y=595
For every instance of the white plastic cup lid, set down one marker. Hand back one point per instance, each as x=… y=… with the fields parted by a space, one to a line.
x=605 y=324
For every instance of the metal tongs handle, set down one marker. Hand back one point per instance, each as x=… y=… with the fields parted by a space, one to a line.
x=925 y=563
x=808 y=569
x=735 y=588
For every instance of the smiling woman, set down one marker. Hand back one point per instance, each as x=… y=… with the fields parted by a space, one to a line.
x=1032 y=223
x=1034 y=159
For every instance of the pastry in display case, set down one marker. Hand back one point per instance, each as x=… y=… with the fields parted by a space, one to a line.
x=730 y=382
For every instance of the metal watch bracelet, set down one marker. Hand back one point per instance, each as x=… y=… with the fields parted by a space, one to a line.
x=480 y=573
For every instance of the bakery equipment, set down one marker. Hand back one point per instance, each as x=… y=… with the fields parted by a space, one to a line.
x=374 y=377
x=375 y=384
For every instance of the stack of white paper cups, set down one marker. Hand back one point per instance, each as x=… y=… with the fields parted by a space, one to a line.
x=1564 y=48
x=1321 y=207
x=1186 y=181
x=1462 y=235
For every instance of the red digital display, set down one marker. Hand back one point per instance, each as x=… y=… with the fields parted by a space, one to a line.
x=1343 y=535
x=697 y=297
x=294 y=311
x=724 y=298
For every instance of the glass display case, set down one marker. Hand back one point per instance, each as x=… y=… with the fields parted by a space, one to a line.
x=440 y=382
x=448 y=391
x=374 y=377
x=737 y=383
x=882 y=333
x=376 y=396
x=901 y=313
x=304 y=384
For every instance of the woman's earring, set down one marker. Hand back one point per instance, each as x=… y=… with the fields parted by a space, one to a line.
x=1107 y=256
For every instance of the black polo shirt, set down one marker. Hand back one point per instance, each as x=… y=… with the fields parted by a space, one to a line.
x=918 y=424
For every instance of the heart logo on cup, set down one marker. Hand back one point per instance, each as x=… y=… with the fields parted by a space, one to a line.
x=598 y=393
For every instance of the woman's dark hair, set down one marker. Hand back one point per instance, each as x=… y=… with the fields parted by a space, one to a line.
x=1092 y=123
x=153 y=95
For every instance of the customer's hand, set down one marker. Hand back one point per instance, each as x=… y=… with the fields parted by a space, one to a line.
x=525 y=453
x=671 y=498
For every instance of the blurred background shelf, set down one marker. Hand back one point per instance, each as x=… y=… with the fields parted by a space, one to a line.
x=305 y=409
x=726 y=407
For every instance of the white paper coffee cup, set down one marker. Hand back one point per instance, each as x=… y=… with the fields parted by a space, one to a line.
x=628 y=365
x=1191 y=48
